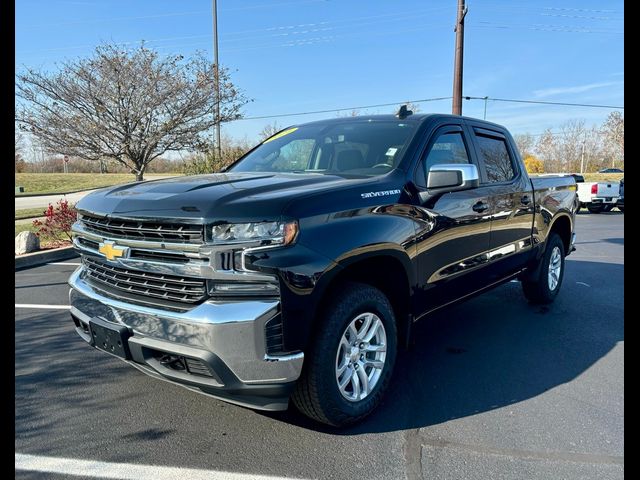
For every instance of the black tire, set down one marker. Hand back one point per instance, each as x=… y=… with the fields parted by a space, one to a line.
x=317 y=394
x=621 y=208
x=607 y=208
x=537 y=290
x=595 y=208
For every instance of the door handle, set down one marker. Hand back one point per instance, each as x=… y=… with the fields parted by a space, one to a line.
x=480 y=206
x=525 y=200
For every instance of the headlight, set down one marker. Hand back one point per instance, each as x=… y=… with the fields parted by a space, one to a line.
x=270 y=233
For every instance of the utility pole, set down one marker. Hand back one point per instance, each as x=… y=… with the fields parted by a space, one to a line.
x=216 y=79
x=582 y=155
x=485 y=108
x=457 y=68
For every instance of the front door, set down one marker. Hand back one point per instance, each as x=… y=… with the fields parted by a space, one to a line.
x=453 y=240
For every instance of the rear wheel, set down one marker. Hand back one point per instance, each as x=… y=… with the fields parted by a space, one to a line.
x=348 y=367
x=546 y=285
x=595 y=208
x=621 y=208
x=607 y=208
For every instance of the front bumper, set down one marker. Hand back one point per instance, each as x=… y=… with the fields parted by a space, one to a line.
x=228 y=338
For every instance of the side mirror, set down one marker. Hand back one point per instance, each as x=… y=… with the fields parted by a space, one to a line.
x=450 y=177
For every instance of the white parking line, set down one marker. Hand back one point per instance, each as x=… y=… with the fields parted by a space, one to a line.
x=43 y=307
x=65 y=263
x=123 y=471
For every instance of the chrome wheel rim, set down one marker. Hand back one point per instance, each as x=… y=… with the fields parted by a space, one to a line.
x=361 y=356
x=555 y=265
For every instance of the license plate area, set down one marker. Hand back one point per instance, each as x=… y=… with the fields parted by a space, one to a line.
x=110 y=338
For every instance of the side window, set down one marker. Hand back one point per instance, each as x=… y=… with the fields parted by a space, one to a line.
x=294 y=155
x=448 y=148
x=496 y=159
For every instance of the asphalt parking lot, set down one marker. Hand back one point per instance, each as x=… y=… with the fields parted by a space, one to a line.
x=492 y=388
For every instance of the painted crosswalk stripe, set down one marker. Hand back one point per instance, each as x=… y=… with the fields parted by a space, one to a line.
x=124 y=471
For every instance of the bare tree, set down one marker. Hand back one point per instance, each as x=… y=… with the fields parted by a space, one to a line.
x=19 y=160
x=269 y=130
x=613 y=130
x=414 y=107
x=352 y=113
x=526 y=144
x=208 y=161
x=572 y=148
x=547 y=150
x=127 y=105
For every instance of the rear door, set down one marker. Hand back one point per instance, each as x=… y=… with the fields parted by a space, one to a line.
x=511 y=201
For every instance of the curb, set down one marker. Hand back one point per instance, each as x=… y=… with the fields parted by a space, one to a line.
x=34 y=259
x=29 y=195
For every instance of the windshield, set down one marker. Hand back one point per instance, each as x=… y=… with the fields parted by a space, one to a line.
x=351 y=148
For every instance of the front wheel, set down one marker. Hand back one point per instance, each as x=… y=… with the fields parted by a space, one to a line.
x=349 y=365
x=550 y=272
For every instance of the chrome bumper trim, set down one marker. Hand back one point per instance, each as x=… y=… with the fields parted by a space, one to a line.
x=231 y=330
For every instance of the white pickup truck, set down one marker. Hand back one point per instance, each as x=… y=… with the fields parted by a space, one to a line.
x=598 y=196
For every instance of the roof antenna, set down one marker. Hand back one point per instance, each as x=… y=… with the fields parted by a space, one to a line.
x=403 y=112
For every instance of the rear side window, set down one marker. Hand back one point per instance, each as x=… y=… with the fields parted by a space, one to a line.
x=496 y=159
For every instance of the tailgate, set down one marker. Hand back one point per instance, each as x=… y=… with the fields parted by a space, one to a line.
x=608 y=189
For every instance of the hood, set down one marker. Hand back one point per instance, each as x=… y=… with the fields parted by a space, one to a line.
x=205 y=198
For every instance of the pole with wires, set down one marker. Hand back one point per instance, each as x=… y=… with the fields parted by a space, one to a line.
x=458 y=59
x=216 y=81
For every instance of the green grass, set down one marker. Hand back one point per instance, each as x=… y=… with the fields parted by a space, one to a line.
x=602 y=177
x=30 y=213
x=69 y=182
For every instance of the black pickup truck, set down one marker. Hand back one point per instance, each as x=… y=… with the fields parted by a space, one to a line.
x=298 y=272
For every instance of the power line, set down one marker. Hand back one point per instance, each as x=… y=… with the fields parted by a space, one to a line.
x=543 y=28
x=433 y=99
x=261 y=117
x=541 y=102
x=274 y=32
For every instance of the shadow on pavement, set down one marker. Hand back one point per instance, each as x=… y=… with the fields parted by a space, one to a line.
x=496 y=350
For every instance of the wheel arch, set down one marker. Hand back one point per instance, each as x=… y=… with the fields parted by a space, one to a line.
x=390 y=271
x=562 y=226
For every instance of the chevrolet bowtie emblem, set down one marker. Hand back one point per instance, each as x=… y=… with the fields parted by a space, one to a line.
x=111 y=251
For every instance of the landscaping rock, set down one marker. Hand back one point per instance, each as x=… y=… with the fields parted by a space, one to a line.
x=27 y=242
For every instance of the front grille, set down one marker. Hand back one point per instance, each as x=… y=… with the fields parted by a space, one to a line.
x=156 y=285
x=162 y=256
x=143 y=230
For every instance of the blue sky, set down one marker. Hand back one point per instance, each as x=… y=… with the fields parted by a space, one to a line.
x=305 y=55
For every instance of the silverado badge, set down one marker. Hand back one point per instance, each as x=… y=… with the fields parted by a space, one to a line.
x=111 y=251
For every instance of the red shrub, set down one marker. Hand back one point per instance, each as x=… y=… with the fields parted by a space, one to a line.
x=58 y=221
